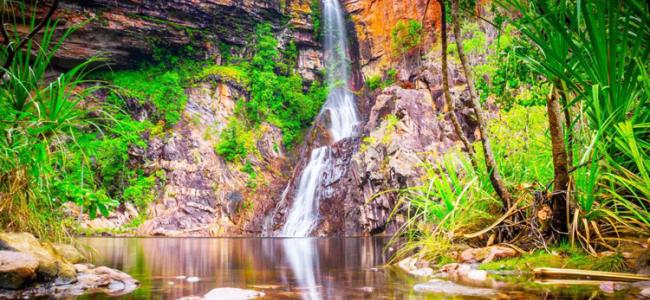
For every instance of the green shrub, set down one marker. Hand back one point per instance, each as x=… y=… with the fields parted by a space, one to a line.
x=406 y=35
x=163 y=88
x=374 y=82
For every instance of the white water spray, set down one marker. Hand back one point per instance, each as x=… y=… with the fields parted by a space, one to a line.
x=341 y=107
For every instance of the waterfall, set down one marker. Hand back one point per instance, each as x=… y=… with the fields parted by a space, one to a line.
x=342 y=112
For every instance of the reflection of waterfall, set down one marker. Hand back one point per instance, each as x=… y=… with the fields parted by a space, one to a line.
x=341 y=109
x=303 y=259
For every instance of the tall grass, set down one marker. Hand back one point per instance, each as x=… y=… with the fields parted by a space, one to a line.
x=454 y=200
x=41 y=118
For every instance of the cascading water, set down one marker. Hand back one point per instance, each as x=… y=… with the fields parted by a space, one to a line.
x=342 y=112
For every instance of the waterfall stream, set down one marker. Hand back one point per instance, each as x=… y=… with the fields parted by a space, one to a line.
x=342 y=115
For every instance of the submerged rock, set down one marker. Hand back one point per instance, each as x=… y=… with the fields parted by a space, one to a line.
x=453 y=289
x=231 y=294
x=227 y=294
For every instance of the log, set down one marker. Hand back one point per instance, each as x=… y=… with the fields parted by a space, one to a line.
x=556 y=273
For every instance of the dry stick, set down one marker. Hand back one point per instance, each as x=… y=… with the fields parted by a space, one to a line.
x=13 y=50
x=490 y=162
x=451 y=106
x=551 y=273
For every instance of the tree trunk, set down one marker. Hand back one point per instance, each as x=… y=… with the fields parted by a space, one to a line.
x=560 y=165
x=490 y=162
x=449 y=101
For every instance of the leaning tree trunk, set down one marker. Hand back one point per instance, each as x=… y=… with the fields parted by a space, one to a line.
x=560 y=165
x=490 y=162
x=451 y=106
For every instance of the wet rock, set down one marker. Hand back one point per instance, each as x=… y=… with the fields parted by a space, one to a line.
x=449 y=288
x=415 y=267
x=16 y=268
x=227 y=294
x=89 y=280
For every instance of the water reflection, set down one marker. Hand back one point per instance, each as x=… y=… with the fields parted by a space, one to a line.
x=295 y=268
x=302 y=256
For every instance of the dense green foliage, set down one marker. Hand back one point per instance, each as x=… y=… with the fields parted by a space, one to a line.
x=593 y=56
x=406 y=35
x=44 y=157
x=276 y=95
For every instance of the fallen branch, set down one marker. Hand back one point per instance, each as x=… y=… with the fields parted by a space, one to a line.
x=556 y=273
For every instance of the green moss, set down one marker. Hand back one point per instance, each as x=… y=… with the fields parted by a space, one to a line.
x=227 y=73
x=559 y=257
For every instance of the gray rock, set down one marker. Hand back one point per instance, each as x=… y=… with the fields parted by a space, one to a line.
x=16 y=268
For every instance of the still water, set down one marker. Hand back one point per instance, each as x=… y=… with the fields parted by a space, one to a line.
x=282 y=268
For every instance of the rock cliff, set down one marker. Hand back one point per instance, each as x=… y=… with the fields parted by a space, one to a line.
x=128 y=31
x=403 y=125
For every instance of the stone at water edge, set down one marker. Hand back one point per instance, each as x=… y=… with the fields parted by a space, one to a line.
x=449 y=288
x=16 y=268
x=415 y=267
x=50 y=266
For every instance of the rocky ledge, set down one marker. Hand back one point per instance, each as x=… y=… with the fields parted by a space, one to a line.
x=29 y=268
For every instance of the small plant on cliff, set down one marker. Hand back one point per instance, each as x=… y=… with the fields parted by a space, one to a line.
x=406 y=36
x=316 y=19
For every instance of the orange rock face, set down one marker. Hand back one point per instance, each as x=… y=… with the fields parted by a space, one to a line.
x=374 y=20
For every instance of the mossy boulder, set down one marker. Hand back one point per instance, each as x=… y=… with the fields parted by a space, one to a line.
x=69 y=253
x=50 y=264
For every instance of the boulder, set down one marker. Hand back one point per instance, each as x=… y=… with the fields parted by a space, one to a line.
x=69 y=253
x=49 y=265
x=16 y=269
